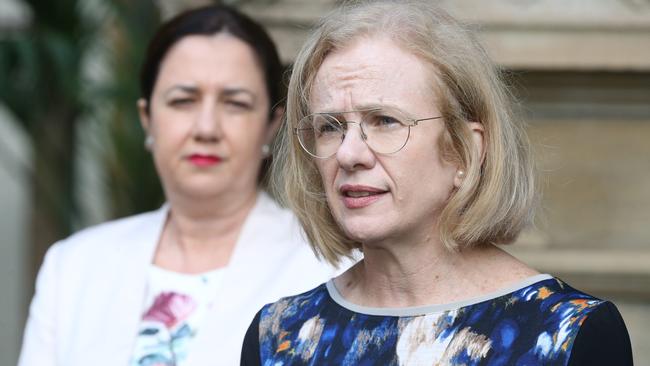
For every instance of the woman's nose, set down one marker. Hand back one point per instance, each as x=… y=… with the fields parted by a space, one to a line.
x=354 y=153
x=208 y=124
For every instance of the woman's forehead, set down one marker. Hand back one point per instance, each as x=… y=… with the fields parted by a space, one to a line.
x=213 y=59
x=370 y=71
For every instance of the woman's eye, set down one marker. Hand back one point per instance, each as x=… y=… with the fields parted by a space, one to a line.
x=382 y=121
x=386 y=120
x=177 y=102
x=237 y=104
x=327 y=127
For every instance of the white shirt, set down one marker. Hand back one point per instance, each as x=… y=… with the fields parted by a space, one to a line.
x=91 y=289
x=176 y=306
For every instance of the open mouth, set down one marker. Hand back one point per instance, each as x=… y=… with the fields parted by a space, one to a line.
x=357 y=196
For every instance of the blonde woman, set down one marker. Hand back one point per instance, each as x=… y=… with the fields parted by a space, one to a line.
x=400 y=141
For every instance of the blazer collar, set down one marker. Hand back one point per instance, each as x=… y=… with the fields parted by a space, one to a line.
x=136 y=254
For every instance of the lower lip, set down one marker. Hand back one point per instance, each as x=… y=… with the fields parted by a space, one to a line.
x=360 y=202
x=204 y=161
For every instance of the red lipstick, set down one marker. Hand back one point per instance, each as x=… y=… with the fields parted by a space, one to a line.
x=359 y=196
x=201 y=160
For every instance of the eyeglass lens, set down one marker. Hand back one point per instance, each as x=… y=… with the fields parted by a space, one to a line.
x=383 y=131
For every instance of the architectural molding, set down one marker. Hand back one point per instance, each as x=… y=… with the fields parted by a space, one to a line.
x=519 y=34
x=605 y=272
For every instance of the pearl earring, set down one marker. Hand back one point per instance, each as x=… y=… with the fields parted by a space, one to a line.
x=461 y=174
x=148 y=142
x=266 y=150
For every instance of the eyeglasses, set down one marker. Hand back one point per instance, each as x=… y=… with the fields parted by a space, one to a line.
x=384 y=130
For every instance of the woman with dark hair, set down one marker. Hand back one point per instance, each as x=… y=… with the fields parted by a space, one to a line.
x=179 y=285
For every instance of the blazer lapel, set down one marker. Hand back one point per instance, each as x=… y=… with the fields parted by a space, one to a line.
x=134 y=257
x=251 y=257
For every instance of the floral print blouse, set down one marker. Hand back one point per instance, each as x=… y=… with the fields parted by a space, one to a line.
x=175 y=307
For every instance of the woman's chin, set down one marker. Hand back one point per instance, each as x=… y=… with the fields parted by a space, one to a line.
x=364 y=234
x=207 y=189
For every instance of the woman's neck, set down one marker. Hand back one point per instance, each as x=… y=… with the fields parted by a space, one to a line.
x=200 y=235
x=426 y=273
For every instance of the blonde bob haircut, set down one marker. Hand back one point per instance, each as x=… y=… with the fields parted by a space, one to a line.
x=497 y=198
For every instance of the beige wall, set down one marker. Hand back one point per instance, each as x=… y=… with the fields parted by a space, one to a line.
x=583 y=75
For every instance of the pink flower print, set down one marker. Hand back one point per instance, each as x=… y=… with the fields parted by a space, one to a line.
x=170 y=308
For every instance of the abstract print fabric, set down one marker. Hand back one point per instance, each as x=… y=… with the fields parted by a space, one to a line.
x=532 y=323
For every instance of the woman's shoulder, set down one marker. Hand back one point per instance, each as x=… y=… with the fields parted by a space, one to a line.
x=547 y=319
x=549 y=285
x=603 y=339
x=140 y=227
x=554 y=296
x=300 y=305
x=546 y=307
x=296 y=309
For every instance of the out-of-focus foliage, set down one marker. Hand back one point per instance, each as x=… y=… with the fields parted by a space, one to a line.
x=133 y=185
x=44 y=84
x=41 y=83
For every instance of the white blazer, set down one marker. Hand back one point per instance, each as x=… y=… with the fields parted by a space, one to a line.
x=91 y=287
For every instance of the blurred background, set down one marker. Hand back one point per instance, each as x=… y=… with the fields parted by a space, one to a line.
x=72 y=155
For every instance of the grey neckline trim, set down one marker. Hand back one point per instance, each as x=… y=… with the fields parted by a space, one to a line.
x=429 y=309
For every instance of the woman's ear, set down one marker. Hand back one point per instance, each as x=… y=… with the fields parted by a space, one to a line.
x=478 y=139
x=274 y=124
x=143 y=112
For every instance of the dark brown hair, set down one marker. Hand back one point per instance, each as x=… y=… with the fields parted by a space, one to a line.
x=210 y=20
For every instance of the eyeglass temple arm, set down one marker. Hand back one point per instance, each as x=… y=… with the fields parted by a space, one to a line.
x=416 y=121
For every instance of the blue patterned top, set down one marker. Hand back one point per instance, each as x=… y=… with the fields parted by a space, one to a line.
x=535 y=322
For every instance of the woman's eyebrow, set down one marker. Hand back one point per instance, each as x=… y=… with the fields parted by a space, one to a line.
x=363 y=108
x=375 y=106
x=190 y=89
x=228 y=92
